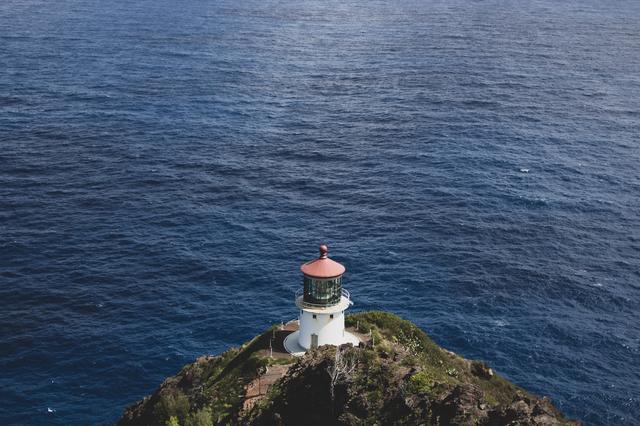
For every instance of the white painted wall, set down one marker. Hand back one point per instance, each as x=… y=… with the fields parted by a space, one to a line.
x=330 y=331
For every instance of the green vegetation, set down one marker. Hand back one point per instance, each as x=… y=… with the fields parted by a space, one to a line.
x=399 y=376
x=173 y=421
x=430 y=360
x=209 y=391
x=421 y=382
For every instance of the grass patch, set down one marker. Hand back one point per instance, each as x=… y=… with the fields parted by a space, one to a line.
x=435 y=367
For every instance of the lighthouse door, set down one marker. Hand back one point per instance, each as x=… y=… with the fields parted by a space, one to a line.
x=314 y=341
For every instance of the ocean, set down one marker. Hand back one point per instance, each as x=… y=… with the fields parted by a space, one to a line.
x=166 y=166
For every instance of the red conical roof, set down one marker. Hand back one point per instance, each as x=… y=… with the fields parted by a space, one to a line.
x=322 y=267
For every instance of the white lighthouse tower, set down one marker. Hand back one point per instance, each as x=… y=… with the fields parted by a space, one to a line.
x=322 y=302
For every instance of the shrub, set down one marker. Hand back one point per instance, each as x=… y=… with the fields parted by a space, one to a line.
x=201 y=417
x=173 y=421
x=172 y=405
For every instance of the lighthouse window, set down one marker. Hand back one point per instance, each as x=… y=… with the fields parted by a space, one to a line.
x=322 y=292
x=331 y=316
x=314 y=316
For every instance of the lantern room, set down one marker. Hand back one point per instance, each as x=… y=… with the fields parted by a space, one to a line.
x=322 y=280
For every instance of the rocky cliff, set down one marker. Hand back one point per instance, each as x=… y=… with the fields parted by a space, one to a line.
x=396 y=376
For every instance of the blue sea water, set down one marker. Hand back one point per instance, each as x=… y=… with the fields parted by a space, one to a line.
x=165 y=167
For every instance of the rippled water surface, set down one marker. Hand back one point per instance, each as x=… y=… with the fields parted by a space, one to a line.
x=166 y=166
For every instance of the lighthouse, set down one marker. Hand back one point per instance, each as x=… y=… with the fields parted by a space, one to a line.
x=321 y=302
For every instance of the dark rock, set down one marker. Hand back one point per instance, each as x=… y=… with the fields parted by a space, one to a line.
x=482 y=370
x=527 y=411
x=460 y=406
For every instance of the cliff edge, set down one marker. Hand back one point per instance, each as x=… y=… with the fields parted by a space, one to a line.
x=398 y=376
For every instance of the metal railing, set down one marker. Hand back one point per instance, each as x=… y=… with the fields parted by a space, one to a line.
x=299 y=298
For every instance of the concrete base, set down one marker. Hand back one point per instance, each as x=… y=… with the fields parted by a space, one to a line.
x=293 y=347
